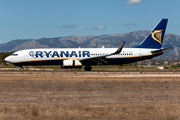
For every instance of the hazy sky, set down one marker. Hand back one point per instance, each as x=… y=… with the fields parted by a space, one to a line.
x=34 y=19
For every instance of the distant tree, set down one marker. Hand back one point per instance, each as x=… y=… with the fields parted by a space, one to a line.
x=178 y=65
x=3 y=55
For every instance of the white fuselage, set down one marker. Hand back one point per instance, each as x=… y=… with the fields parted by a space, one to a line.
x=50 y=55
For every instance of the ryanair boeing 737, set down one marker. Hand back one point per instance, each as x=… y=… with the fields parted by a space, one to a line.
x=78 y=57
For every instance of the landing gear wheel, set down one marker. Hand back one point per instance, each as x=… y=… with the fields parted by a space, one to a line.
x=22 y=68
x=88 y=68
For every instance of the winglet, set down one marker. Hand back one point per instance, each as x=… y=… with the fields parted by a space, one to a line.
x=119 y=49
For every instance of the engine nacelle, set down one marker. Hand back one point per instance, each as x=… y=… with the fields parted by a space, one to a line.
x=71 y=63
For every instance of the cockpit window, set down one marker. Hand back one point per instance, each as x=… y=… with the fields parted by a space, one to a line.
x=14 y=54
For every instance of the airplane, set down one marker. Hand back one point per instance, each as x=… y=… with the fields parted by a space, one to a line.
x=150 y=47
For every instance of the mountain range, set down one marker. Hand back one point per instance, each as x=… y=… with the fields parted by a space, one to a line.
x=108 y=41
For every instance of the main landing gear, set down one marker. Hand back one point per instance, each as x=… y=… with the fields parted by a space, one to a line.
x=88 y=68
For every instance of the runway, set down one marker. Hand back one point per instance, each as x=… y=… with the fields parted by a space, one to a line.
x=53 y=75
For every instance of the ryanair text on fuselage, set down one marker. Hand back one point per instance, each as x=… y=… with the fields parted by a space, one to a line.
x=59 y=54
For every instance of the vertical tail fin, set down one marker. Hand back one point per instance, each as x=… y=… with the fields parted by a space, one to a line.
x=155 y=38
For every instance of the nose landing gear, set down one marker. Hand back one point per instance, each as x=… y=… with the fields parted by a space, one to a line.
x=22 y=68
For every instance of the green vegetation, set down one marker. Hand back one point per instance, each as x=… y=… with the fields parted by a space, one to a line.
x=4 y=64
x=3 y=56
x=177 y=66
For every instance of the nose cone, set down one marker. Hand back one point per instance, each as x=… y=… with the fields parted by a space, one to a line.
x=8 y=59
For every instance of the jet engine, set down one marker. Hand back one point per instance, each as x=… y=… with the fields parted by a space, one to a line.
x=71 y=63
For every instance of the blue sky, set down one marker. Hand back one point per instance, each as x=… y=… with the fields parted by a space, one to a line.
x=34 y=19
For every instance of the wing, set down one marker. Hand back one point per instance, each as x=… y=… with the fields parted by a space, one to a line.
x=100 y=59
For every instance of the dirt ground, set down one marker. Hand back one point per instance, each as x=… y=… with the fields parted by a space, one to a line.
x=89 y=95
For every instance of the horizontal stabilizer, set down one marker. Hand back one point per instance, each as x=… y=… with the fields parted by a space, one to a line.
x=161 y=50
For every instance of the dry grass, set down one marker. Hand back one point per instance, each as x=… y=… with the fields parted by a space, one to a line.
x=71 y=95
x=115 y=111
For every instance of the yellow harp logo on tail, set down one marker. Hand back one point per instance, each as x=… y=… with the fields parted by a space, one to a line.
x=156 y=35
